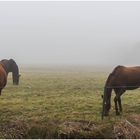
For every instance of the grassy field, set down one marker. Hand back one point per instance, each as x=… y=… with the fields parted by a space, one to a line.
x=49 y=99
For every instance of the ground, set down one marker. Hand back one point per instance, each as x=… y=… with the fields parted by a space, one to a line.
x=58 y=98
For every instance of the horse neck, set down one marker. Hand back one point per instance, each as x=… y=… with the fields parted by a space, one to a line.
x=107 y=88
x=107 y=93
x=14 y=70
x=106 y=98
x=109 y=80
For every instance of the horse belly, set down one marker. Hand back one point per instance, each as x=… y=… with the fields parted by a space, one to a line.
x=132 y=88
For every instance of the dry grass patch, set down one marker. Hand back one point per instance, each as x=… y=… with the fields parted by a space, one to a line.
x=15 y=129
x=128 y=128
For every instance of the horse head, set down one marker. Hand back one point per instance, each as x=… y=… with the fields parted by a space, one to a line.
x=106 y=102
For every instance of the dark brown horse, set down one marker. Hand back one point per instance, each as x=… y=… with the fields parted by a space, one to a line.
x=121 y=79
x=7 y=66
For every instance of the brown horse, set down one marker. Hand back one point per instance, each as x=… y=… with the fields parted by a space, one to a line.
x=121 y=79
x=7 y=66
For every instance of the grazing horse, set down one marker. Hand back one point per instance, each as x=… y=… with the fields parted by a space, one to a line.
x=121 y=79
x=7 y=66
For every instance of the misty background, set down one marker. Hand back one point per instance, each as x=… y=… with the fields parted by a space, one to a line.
x=78 y=33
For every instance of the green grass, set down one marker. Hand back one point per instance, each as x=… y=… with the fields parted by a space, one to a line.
x=57 y=95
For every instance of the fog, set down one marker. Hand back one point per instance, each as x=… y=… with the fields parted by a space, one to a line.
x=78 y=33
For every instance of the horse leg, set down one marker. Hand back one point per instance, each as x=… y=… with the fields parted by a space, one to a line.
x=117 y=100
x=116 y=105
x=120 y=104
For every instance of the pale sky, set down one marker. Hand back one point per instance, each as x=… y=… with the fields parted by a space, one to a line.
x=91 y=33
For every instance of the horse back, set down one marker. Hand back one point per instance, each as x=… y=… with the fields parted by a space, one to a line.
x=124 y=76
